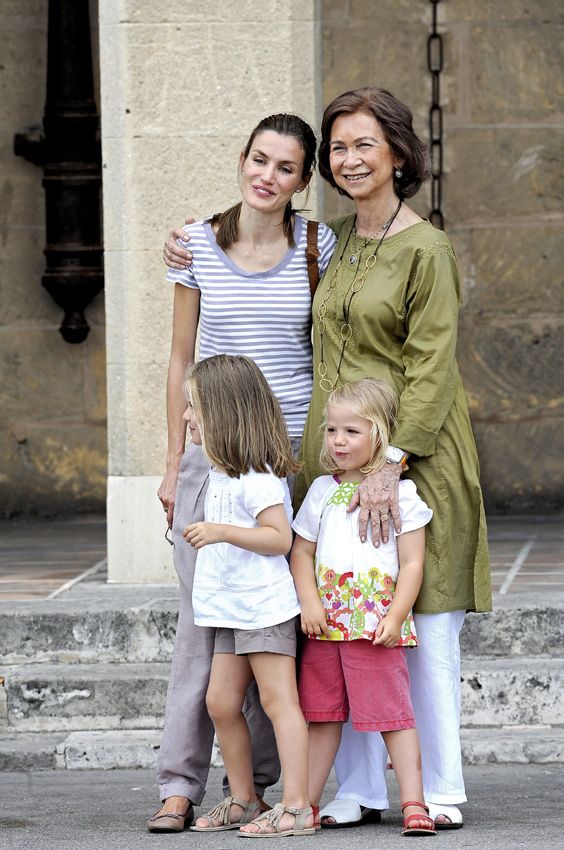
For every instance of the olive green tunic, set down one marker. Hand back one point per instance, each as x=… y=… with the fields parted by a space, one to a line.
x=404 y=327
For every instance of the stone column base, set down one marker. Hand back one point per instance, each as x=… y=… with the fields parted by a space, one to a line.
x=137 y=549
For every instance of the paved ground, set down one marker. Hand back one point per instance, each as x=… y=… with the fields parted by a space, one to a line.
x=38 y=559
x=513 y=806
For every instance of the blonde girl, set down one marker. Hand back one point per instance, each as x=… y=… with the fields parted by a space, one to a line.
x=356 y=599
x=243 y=588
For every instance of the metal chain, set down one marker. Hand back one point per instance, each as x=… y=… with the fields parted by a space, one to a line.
x=435 y=65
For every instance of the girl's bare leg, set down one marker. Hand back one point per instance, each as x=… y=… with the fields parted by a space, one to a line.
x=403 y=747
x=229 y=680
x=324 y=740
x=276 y=679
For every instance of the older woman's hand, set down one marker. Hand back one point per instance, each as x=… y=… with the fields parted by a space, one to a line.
x=174 y=256
x=378 y=497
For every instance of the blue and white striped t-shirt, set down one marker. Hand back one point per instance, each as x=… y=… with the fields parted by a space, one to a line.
x=263 y=315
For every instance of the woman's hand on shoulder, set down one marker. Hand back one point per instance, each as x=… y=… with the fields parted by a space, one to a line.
x=174 y=256
x=378 y=497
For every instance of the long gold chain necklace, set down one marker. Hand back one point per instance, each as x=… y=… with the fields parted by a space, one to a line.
x=325 y=383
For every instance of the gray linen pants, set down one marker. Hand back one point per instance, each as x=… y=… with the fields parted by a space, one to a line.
x=188 y=732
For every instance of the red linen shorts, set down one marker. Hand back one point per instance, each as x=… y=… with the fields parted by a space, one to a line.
x=371 y=682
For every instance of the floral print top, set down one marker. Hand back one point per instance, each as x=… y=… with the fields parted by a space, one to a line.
x=356 y=581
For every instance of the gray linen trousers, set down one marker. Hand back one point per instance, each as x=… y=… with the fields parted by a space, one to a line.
x=188 y=732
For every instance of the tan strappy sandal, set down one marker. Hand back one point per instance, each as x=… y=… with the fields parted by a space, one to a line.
x=273 y=818
x=222 y=811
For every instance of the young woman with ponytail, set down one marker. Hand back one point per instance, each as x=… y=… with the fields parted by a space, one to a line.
x=248 y=289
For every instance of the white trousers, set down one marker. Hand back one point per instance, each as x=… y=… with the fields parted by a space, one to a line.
x=434 y=671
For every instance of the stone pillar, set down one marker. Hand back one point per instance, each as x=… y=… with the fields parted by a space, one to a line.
x=181 y=88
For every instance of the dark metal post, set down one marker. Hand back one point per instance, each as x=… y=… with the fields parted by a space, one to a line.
x=435 y=65
x=69 y=151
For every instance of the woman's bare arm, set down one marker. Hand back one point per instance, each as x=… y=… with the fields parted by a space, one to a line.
x=184 y=327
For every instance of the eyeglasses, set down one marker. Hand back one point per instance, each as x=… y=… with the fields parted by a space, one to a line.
x=167 y=538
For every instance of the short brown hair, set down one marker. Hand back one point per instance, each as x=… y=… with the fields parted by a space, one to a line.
x=375 y=401
x=242 y=425
x=396 y=121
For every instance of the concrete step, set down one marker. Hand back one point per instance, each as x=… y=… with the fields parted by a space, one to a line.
x=59 y=697
x=138 y=748
x=513 y=745
x=116 y=624
x=57 y=631
x=112 y=749
x=531 y=625
x=56 y=697
x=512 y=691
x=25 y=752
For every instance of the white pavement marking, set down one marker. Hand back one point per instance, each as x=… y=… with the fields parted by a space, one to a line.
x=76 y=579
x=517 y=564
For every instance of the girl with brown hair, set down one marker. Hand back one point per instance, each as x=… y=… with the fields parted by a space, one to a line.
x=243 y=588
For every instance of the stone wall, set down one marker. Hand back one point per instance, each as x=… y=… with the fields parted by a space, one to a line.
x=52 y=394
x=503 y=96
x=184 y=86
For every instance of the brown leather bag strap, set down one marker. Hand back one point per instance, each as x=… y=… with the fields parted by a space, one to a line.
x=312 y=255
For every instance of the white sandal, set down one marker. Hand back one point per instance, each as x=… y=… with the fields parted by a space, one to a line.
x=453 y=813
x=347 y=813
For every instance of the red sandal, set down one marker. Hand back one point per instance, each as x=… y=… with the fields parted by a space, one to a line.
x=417 y=830
x=316 y=818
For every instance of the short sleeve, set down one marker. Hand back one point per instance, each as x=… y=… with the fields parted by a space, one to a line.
x=415 y=513
x=261 y=490
x=308 y=518
x=326 y=242
x=185 y=277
